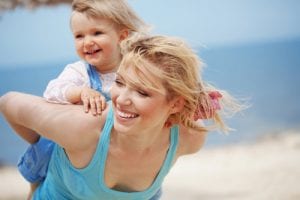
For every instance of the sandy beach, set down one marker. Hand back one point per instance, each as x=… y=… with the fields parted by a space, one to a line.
x=266 y=170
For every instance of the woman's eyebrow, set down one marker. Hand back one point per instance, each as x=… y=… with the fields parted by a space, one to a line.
x=118 y=75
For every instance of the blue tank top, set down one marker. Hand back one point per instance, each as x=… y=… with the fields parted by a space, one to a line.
x=65 y=182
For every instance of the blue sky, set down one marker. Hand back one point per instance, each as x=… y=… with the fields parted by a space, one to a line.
x=28 y=37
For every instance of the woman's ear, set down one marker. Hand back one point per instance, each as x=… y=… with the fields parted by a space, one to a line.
x=177 y=105
x=123 y=34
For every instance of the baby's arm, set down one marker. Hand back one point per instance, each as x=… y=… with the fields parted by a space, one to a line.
x=91 y=99
x=74 y=75
x=72 y=87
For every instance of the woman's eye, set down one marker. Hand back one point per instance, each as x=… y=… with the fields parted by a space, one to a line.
x=119 y=83
x=143 y=93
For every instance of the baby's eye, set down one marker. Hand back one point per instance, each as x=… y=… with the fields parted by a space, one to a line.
x=79 y=36
x=98 y=33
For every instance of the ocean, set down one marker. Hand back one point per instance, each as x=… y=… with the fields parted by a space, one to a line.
x=266 y=74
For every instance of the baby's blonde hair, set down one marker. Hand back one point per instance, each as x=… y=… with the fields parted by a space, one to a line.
x=118 y=11
x=179 y=69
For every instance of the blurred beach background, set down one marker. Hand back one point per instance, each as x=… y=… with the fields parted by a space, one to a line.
x=250 y=48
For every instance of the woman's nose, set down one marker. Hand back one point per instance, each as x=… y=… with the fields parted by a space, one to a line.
x=124 y=97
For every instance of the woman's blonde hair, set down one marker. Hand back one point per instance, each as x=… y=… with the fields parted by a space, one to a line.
x=179 y=68
x=118 y=11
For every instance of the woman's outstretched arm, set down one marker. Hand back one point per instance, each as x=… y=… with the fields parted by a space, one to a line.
x=10 y=112
x=191 y=141
x=66 y=125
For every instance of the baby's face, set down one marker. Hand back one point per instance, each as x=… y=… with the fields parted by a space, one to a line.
x=96 y=41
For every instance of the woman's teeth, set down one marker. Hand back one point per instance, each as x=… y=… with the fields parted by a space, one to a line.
x=126 y=115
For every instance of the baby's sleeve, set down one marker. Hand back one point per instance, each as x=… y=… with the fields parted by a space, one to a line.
x=73 y=75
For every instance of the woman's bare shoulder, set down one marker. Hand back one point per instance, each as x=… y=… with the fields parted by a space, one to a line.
x=191 y=141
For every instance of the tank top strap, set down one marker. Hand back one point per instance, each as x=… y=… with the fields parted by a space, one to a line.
x=174 y=140
x=173 y=146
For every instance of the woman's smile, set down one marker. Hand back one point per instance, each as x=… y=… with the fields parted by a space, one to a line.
x=126 y=115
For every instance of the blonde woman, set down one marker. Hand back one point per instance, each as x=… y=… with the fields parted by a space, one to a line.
x=126 y=152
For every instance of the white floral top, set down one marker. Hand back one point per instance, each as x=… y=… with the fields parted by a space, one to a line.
x=74 y=74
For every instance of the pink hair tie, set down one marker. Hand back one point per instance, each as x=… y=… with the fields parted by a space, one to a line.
x=214 y=97
x=201 y=113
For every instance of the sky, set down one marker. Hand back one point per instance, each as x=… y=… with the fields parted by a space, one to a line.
x=29 y=37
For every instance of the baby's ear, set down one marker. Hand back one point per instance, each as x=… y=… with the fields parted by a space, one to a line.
x=178 y=104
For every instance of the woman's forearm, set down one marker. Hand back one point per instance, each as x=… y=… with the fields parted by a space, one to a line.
x=28 y=114
x=9 y=109
x=27 y=134
x=66 y=125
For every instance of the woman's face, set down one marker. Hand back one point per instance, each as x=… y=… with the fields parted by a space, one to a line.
x=137 y=108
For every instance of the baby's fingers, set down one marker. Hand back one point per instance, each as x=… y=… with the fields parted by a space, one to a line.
x=103 y=102
x=86 y=103
x=100 y=104
x=93 y=105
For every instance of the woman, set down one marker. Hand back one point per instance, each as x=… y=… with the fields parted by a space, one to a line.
x=127 y=151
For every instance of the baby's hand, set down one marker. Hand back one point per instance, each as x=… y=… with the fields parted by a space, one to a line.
x=92 y=100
